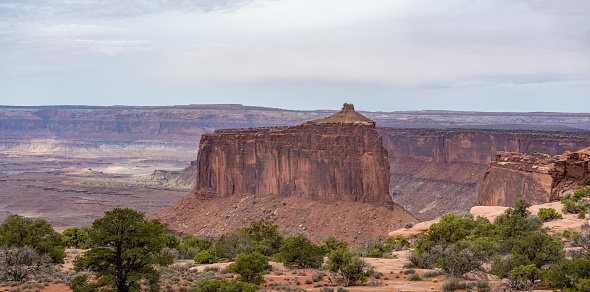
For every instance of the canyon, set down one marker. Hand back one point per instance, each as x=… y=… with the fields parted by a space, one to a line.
x=46 y=153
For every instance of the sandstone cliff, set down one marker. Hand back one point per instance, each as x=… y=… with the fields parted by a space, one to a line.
x=338 y=158
x=570 y=172
x=513 y=176
x=434 y=172
x=538 y=178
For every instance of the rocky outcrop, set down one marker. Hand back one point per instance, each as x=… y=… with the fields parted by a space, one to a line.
x=513 y=176
x=434 y=172
x=570 y=172
x=338 y=158
x=538 y=178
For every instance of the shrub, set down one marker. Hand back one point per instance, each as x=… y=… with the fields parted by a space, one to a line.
x=351 y=267
x=230 y=245
x=19 y=263
x=587 y=182
x=212 y=285
x=308 y=281
x=568 y=274
x=548 y=214
x=301 y=252
x=414 y=277
x=265 y=236
x=409 y=225
x=431 y=274
x=524 y=277
x=330 y=244
x=453 y=284
x=250 y=267
x=207 y=257
x=375 y=254
x=409 y=271
x=582 y=215
x=483 y=285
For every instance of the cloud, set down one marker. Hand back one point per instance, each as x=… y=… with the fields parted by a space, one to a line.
x=110 y=8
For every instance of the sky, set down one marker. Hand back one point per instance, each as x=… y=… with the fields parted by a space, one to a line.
x=381 y=55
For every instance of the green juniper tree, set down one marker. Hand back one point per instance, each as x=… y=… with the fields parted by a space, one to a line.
x=126 y=248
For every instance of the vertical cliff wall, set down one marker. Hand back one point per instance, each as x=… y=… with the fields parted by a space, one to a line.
x=513 y=176
x=570 y=172
x=434 y=172
x=339 y=158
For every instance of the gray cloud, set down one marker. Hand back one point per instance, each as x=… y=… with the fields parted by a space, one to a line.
x=109 y=8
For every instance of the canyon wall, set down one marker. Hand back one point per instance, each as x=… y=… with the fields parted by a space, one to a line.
x=538 y=178
x=434 y=172
x=570 y=172
x=513 y=176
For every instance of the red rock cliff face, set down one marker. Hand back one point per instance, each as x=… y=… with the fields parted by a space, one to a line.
x=339 y=158
x=570 y=172
x=434 y=172
x=514 y=176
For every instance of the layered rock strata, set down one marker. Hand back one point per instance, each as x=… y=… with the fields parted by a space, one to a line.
x=570 y=172
x=338 y=158
x=513 y=176
x=538 y=178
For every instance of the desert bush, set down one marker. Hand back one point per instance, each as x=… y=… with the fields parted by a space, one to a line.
x=568 y=274
x=351 y=267
x=414 y=277
x=20 y=231
x=212 y=285
x=453 y=284
x=230 y=245
x=582 y=215
x=21 y=263
x=523 y=277
x=432 y=274
x=301 y=252
x=76 y=237
x=265 y=236
x=206 y=257
x=375 y=254
x=250 y=267
x=483 y=285
x=192 y=245
x=409 y=225
x=548 y=214
x=331 y=244
x=308 y=281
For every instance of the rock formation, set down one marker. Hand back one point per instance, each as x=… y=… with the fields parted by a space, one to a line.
x=570 y=172
x=327 y=177
x=513 y=176
x=434 y=172
x=338 y=158
x=538 y=178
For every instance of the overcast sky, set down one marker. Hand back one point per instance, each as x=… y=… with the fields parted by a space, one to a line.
x=381 y=55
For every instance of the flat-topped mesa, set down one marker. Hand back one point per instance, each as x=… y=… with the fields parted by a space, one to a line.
x=337 y=158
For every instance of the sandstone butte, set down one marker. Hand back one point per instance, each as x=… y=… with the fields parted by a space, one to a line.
x=538 y=178
x=325 y=177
